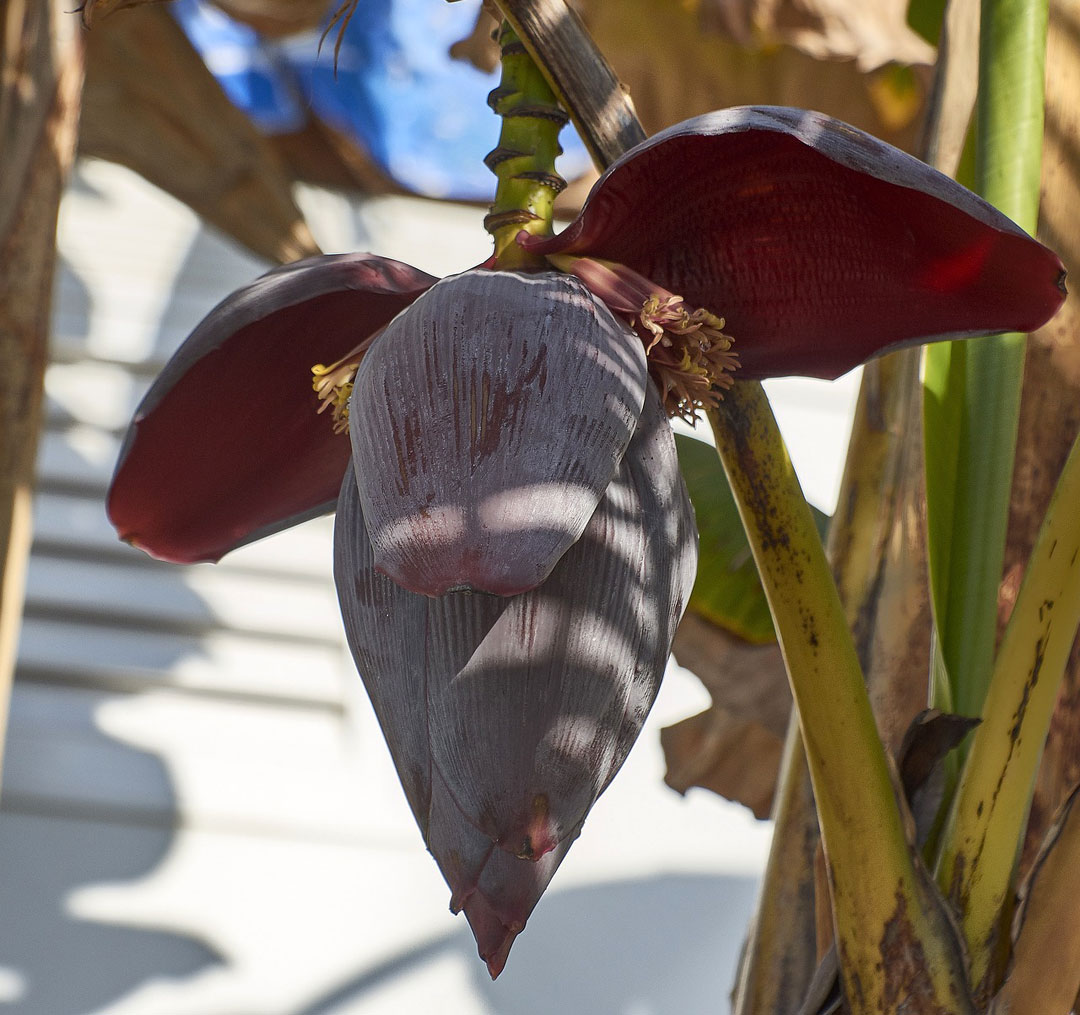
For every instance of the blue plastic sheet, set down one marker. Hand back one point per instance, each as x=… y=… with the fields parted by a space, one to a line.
x=421 y=116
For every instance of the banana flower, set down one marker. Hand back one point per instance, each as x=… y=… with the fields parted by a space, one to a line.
x=514 y=546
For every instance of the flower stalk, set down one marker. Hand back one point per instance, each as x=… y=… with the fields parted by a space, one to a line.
x=885 y=912
x=524 y=161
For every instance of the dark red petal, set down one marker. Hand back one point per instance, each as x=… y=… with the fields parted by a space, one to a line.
x=486 y=423
x=507 y=717
x=227 y=445
x=820 y=245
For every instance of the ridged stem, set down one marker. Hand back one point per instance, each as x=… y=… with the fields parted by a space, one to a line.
x=982 y=837
x=886 y=915
x=524 y=161
x=1015 y=692
x=973 y=390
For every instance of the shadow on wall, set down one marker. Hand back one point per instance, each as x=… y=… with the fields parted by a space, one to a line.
x=59 y=964
x=80 y=807
x=680 y=959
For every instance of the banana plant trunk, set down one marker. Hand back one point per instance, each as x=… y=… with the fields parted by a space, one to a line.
x=40 y=85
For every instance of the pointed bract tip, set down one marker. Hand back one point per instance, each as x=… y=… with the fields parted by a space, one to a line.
x=494 y=938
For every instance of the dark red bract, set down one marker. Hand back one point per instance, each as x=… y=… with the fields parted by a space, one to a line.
x=820 y=245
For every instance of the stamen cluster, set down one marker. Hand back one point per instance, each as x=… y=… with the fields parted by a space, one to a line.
x=689 y=354
x=333 y=384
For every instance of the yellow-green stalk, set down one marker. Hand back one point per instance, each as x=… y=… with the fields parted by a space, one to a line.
x=982 y=837
x=895 y=942
x=524 y=161
x=973 y=389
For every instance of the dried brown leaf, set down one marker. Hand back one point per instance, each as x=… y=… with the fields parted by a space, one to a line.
x=870 y=34
x=276 y=18
x=736 y=758
x=328 y=157
x=683 y=71
x=480 y=47
x=1044 y=975
x=151 y=104
x=734 y=747
x=94 y=11
x=40 y=78
x=929 y=739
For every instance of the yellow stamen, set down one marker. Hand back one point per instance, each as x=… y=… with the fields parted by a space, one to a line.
x=333 y=384
x=689 y=354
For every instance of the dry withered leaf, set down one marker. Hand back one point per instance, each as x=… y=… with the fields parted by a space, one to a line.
x=1044 y=975
x=734 y=747
x=276 y=18
x=327 y=157
x=735 y=757
x=870 y=34
x=151 y=104
x=683 y=71
x=929 y=739
x=93 y=11
x=479 y=47
x=824 y=996
x=41 y=73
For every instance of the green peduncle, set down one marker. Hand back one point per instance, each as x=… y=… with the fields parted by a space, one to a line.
x=524 y=161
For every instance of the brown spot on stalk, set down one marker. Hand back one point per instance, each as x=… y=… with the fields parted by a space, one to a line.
x=853 y=988
x=906 y=979
x=957 y=894
x=758 y=472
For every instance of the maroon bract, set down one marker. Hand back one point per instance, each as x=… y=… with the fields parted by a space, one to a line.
x=492 y=465
x=819 y=245
x=508 y=716
x=504 y=439
x=226 y=447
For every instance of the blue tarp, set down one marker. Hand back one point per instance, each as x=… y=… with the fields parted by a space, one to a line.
x=421 y=116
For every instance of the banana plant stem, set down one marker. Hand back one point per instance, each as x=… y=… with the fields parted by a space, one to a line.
x=983 y=833
x=882 y=907
x=986 y=383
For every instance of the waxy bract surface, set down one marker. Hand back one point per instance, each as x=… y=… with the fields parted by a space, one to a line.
x=507 y=716
x=227 y=447
x=819 y=245
x=523 y=393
